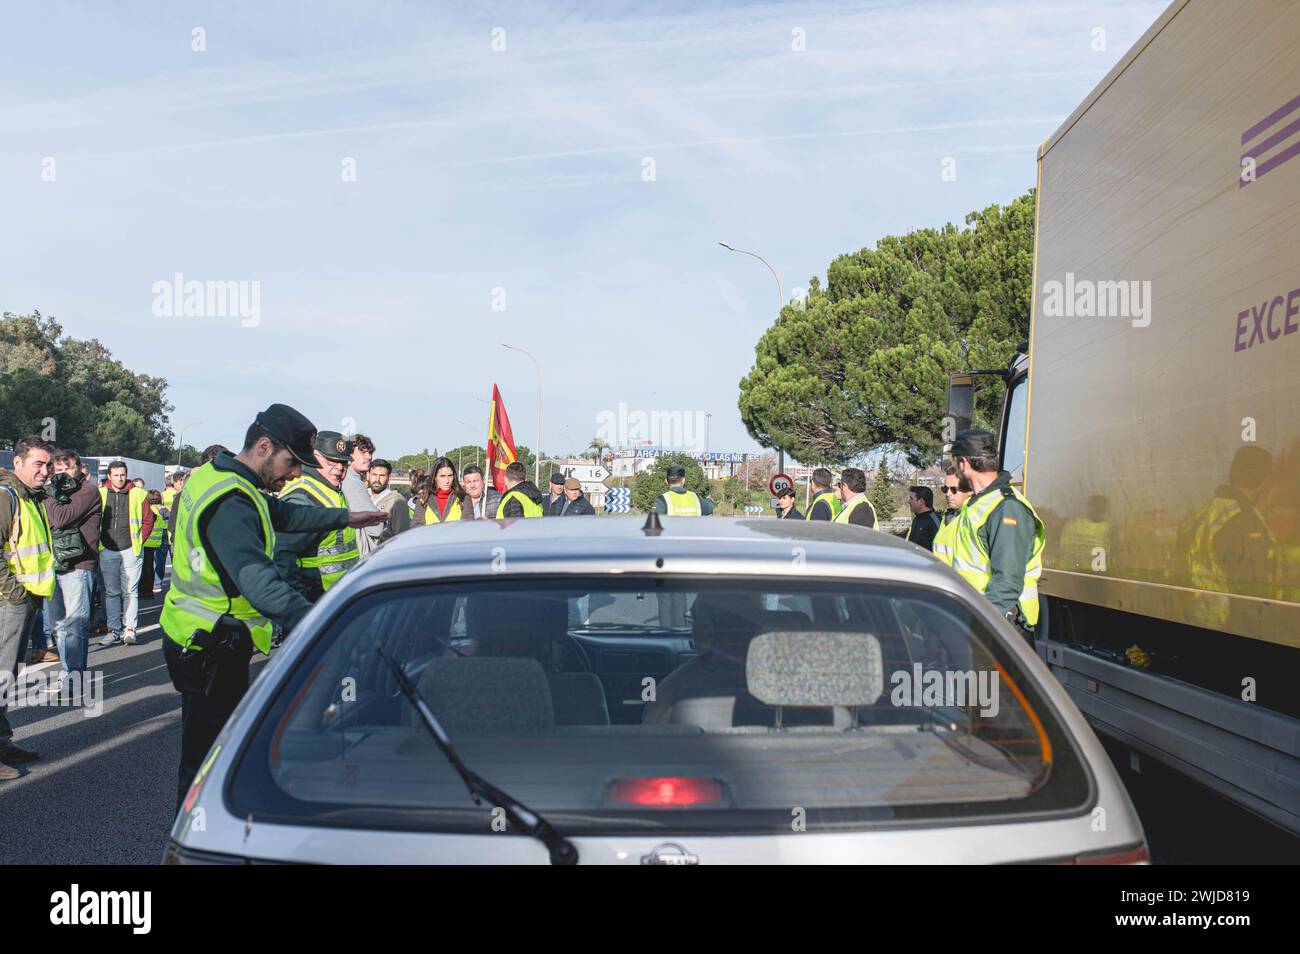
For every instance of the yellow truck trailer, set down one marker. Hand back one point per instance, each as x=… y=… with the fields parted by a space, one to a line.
x=1155 y=420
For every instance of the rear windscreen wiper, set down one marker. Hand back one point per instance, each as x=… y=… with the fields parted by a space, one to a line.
x=520 y=815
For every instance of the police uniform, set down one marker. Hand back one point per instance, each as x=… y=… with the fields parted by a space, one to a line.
x=313 y=562
x=998 y=547
x=226 y=525
x=680 y=502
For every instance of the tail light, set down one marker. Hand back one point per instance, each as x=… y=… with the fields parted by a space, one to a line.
x=666 y=792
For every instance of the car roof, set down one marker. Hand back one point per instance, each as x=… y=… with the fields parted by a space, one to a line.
x=622 y=544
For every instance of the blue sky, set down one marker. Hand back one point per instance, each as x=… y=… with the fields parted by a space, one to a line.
x=521 y=169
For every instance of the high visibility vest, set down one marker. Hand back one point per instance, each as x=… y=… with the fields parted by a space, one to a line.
x=971 y=559
x=196 y=599
x=27 y=550
x=844 y=515
x=159 y=530
x=530 y=509
x=431 y=512
x=135 y=498
x=338 y=551
x=945 y=541
x=832 y=499
x=685 y=504
x=167 y=496
x=1210 y=606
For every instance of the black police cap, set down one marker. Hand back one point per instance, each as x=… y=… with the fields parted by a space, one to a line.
x=974 y=442
x=289 y=427
x=334 y=446
x=675 y=471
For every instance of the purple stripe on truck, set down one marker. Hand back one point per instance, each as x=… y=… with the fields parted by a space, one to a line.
x=1269 y=120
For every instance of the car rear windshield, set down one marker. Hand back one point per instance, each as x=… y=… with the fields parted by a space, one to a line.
x=643 y=704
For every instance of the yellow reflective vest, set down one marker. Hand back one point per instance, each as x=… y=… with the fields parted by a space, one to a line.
x=28 y=551
x=158 y=532
x=431 y=512
x=844 y=515
x=196 y=599
x=832 y=500
x=971 y=558
x=684 y=504
x=135 y=498
x=530 y=509
x=338 y=551
x=945 y=541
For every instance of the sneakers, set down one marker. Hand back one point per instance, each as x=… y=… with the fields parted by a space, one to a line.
x=112 y=639
x=129 y=637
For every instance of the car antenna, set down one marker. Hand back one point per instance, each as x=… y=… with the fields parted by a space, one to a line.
x=653 y=527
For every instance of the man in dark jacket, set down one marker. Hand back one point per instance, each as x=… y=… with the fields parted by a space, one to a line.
x=555 y=495
x=480 y=501
x=73 y=503
x=575 y=503
x=785 y=508
x=925 y=522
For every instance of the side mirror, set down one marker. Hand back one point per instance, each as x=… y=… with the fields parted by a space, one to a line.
x=961 y=404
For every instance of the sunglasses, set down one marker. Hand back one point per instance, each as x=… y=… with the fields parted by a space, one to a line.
x=951 y=490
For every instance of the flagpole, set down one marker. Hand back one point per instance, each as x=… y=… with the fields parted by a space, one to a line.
x=537 y=451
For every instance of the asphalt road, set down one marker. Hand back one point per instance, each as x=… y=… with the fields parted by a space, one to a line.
x=105 y=786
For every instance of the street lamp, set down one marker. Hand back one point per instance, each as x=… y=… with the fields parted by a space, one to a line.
x=180 y=441
x=537 y=452
x=780 y=303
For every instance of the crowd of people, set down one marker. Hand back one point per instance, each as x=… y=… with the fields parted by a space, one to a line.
x=262 y=533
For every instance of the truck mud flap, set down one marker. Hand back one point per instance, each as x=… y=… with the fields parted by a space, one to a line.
x=1245 y=753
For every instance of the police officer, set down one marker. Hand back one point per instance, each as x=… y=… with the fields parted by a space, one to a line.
x=314 y=561
x=825 y=501
x=858 y=510
x=999 y=545
x=225 y=591
x=677 y=501
x=956 y=491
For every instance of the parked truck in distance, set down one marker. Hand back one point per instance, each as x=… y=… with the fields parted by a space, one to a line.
x=1154 y=421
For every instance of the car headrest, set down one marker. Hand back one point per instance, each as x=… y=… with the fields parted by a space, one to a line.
x=815 y=668
x=473 y=694
x=521 y=624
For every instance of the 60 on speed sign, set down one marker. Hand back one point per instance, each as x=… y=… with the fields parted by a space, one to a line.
x=779 y=484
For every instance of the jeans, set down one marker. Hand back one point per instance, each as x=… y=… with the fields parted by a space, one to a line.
x=121 y=569
x=16 y=622
x=99 y=614
x=160 y=563
x=69 y=608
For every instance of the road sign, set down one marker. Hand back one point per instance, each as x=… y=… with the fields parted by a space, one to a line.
x=593 y=487
x=587 y=473
x=779 y=483
x=753 y=510
x=618 y=500
x=802 y=473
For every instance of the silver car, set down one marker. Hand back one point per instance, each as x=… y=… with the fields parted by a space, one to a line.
x=610 y=690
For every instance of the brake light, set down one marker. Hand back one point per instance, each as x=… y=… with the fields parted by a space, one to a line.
x=666 y=792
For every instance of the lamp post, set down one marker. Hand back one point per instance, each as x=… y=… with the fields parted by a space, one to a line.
x=537 y=451
x=180 y=441
x=780 y=303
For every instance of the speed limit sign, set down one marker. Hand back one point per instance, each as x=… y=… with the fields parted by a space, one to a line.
x=779 y=484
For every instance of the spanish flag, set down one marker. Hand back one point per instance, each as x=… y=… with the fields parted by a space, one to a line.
x=500 y=442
